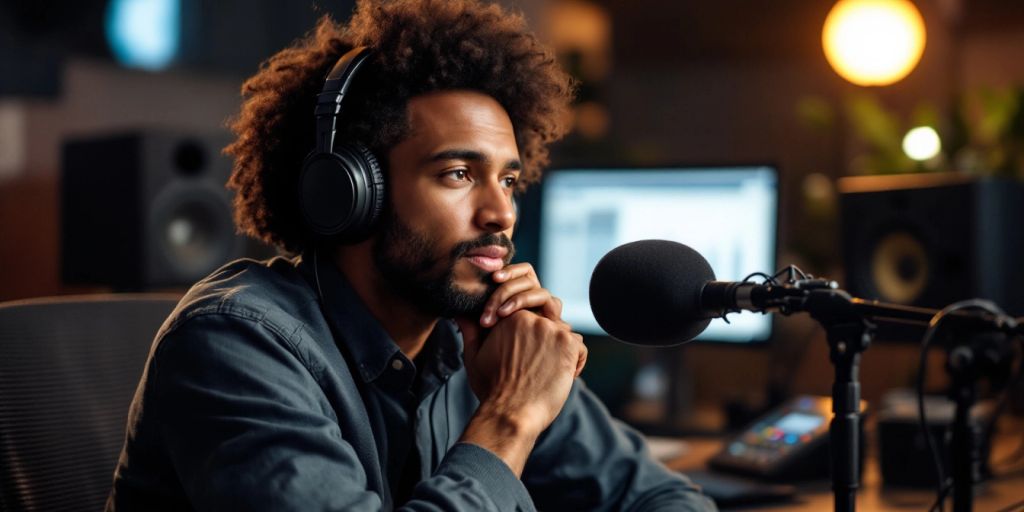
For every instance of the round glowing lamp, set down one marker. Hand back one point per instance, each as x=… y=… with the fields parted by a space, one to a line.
x=873 y=42
x=922 y=143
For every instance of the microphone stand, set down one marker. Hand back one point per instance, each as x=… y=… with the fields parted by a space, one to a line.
x=849 y=334
x=966 y=364
x=849 y=324
x=965 y=454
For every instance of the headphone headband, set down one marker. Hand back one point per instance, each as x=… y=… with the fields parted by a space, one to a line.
x=328 y=103
x=341 y=187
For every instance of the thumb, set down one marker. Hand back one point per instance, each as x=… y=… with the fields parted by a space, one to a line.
x=470 y=336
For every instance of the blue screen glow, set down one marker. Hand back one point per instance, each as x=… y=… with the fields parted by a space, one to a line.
x=144 y=33
x=798 y=423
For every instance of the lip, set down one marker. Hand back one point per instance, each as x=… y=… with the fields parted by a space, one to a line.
x=487 y=264
x=489 y=258
x=489 y=252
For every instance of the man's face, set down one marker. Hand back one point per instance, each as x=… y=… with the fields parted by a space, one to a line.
x=450 y=216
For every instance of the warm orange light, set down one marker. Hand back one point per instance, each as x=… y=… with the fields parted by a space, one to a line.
x=873 y=42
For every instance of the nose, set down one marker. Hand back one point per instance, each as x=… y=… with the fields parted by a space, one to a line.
x=495 y=210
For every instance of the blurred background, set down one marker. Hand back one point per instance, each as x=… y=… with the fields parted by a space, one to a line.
x=112 y=116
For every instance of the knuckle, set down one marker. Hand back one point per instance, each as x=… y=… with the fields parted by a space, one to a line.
x=522 y=318
x=546 y=325
x=565 y=337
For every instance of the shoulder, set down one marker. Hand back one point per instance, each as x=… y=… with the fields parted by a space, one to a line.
x=249 y=305
x=271 y=292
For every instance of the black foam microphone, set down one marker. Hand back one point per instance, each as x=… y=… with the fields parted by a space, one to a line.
x=661 y=293
x=649 y=292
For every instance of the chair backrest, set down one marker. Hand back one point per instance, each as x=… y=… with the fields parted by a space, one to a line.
x=69 y=367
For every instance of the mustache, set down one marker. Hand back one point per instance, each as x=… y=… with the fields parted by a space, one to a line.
x=489 y=239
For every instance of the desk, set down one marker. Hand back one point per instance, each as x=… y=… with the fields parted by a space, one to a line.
x=873 y=496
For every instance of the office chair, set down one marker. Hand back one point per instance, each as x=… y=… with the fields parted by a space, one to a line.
x=68 y=370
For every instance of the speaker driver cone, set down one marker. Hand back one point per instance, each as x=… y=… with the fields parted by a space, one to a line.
x=899 y=268
x=193 y=230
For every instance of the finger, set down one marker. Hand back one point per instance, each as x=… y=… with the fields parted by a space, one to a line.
x=552 y=309
x=516 y=271
x=502 y=295
x=530 y=299
x=584 y=352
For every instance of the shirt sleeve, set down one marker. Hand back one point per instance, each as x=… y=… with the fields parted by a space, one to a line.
x=247 y=427
x=586 y=460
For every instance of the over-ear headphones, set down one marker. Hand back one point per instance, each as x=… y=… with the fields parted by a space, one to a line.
x=341 y=187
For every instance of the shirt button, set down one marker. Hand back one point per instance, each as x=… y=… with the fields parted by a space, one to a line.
x=397 y=364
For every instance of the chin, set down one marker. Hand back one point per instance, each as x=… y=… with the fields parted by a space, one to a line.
x=473 y=288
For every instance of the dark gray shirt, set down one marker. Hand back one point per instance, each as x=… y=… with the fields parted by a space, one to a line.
x=257 y=397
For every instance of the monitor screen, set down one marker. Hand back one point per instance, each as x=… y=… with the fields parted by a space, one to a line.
x=728 y=214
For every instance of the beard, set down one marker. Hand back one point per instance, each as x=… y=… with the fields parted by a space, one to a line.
x=415 y=268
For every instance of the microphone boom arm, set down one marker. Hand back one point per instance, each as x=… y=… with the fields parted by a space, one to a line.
x=824 y=298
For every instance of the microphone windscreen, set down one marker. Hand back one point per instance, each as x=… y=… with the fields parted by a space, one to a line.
x=648 y=292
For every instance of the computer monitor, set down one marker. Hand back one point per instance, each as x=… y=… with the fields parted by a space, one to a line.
x=728 y=214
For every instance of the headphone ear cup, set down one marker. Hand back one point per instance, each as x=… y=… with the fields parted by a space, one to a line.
x=373 y=178
x=341 y=194
x=376 y=175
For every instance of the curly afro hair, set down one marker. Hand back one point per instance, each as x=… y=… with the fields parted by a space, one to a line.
x=419 y=46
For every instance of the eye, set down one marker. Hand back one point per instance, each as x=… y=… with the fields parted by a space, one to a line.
x=510 y=180
x=456 y=175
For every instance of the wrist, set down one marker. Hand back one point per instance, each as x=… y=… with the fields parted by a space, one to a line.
x=510 y=436
x=509 y=423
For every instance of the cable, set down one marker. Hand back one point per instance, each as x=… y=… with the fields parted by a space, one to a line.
x=316 y=274
x=941 y=498
x=767 y=278
x=941 y=489
x=447 y=416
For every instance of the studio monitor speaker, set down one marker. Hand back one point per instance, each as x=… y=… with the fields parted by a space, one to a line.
x=932 y=239
x=147 y=209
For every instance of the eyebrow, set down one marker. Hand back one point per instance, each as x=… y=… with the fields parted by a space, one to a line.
x=469 y=154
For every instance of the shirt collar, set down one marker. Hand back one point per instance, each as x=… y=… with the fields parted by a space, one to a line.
x=362 y=337
x=448 y=349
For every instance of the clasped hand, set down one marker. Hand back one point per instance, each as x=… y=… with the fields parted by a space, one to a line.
x=521 y=358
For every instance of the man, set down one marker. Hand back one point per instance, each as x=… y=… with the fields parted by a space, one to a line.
x=337 y=380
